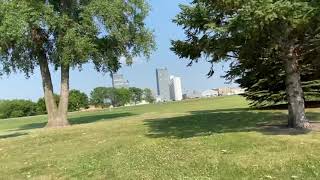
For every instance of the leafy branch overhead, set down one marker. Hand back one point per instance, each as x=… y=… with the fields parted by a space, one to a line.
x=234 y=29
x=257 y=36
x=98 y=31
x=67 y=34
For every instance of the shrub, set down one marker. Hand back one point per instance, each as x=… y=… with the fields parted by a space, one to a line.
x=41 y=105
x=77 y=100
x=17 y=108
x=102 y=96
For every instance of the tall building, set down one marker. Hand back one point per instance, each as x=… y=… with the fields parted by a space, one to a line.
x=175 y=88
x=118 y=81
x=163 y=82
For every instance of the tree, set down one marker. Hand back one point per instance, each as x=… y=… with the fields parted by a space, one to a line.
x=265 y=85
x=41 y=104
x=148 y=96
x=122 y=96
x=68 y=33
x=136 y=94
x=102 y=96
x=17 y=108
x=248 y=31
x=77 y=100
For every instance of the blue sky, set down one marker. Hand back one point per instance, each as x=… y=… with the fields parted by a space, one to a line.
x=141 y=74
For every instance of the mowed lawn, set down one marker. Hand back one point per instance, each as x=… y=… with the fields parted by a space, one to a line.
x=218 y=138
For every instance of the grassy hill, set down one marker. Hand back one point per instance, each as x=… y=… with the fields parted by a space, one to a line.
x=218 y=138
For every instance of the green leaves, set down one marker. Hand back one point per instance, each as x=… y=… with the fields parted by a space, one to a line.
x=256 y=36
x=77 y=100
x=232 y=26
x=70 y=32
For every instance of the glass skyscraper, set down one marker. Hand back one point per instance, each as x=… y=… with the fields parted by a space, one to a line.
x=118 y=81
x=163 y=84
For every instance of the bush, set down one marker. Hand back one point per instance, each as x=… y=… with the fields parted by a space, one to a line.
x=17 y=108
x=41 y=105
x=148 y=96
x=102 y=96
x=77 y=100
x=106 y=96
x=121 y=97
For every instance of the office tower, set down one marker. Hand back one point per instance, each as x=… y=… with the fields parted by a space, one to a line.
x=175 y=88
x=163 y=81
x=118 y=81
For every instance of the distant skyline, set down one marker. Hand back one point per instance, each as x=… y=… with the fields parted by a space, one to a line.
x=141 y=74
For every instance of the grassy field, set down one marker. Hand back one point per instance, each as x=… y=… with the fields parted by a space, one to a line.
x=219 y=138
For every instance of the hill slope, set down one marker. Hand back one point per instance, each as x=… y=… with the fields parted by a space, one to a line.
x=217 y=138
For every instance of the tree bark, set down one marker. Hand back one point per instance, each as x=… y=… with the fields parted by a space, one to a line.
x=51 y=105
x=57 y=115
x=61 y=114
x=296 y=105
x=64 y=96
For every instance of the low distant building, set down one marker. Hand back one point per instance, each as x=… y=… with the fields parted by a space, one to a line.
x=143 y=102
x=210 y=93
x=224 y=91
x=158 y=99
x=185 y=96
x=228 y=91
x=193 y=95
x=238 y=91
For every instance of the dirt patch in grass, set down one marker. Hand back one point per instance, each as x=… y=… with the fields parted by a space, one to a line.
x=315 y=126
x=282 y=129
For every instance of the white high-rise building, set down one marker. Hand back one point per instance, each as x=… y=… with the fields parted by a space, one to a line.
x=175 y=88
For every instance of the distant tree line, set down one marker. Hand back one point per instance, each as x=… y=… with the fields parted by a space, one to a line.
x=106 y=96
x=100 y=97
x=21 y=108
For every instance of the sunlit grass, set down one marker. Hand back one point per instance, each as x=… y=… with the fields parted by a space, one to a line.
x=217 y=138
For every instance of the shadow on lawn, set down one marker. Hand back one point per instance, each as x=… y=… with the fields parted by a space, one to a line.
x=12 y=135
x=79 y=120
x=203 y=123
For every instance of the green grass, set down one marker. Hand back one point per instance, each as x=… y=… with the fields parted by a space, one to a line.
x=219 y=138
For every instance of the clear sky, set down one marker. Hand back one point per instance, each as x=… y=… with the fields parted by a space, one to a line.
x=141 y=74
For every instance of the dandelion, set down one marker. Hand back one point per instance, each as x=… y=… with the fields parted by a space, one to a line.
x=268 y=177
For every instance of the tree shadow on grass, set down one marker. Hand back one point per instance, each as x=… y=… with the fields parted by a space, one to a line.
x=6 y=136
x=95 y=118
x=78 y=120
x=203 y=123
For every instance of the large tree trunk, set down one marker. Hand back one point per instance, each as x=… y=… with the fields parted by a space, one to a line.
x=51 y=105
x=295 y=96
x=64 y=96
x=61 y=114
x=57 y=115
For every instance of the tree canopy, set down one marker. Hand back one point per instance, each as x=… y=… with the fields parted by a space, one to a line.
x=136 y=94
x=254 y=32
x=101 y=96
x=78 y=100
x=73 y=32
x=148 y=96
x=265 y=81
x=66 y=34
